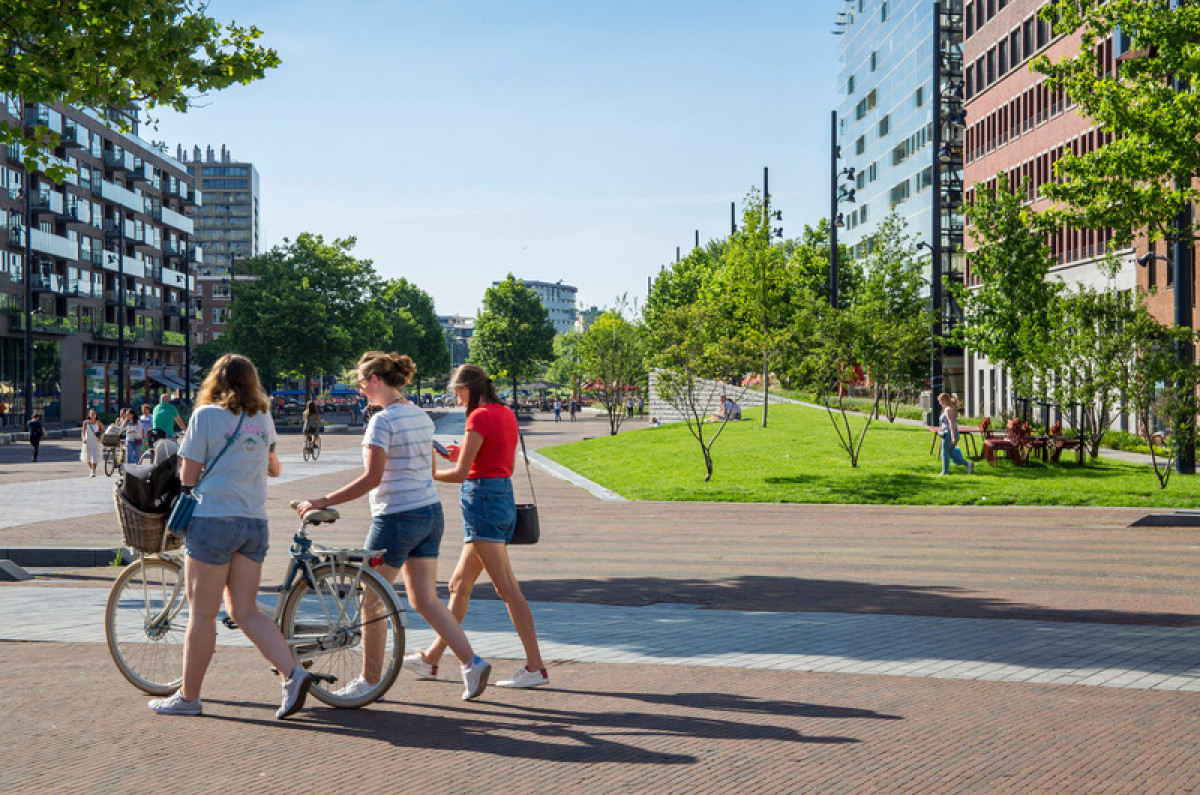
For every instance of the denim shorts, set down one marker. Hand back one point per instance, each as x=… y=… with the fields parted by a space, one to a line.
x=215 y=539
x=408 y=534
x=488 y=509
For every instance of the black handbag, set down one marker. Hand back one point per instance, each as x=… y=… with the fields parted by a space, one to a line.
x=528 y=529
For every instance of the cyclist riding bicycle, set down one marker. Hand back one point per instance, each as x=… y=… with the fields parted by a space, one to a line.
x=312 y=423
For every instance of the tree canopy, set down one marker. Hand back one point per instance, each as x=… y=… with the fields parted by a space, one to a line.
x=111 y=54
x=1144 y=176
x=414 y=329
x=513 y=333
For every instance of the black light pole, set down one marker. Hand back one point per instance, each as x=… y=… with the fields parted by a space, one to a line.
x=187 y=323
x=935 y=277
x=120 y=237
x=1185 y=457
x=28 y=291
x=763 y=286
x=834 y=154
x=733 y=218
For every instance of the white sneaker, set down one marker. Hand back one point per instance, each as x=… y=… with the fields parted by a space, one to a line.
x=416 y=663
x=176 y=704
x=295 y=691
x=526 y=678
x=970 y=467
x=357 y=687
x=475 y=678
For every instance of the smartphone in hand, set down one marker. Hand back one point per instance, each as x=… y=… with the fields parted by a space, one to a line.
x=441 y=450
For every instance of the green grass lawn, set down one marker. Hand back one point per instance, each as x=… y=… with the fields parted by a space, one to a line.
x=797 y=459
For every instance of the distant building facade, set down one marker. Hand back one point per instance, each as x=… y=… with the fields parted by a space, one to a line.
x=559 y=300
x=587 y=317
x=227 y=225
x=110 y=254
x=458 y=330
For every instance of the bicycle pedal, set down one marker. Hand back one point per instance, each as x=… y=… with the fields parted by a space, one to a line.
x=229 y=622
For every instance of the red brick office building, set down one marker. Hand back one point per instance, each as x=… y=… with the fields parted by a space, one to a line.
x=1017 y=126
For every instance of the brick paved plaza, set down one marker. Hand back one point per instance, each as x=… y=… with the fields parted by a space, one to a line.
x=694 y=647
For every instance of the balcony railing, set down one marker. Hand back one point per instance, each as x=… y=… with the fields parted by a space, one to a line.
x=47 y=324
x=149 y=302
x=108 y=331
x=71 y=135
x=113 y=298
x=166 y=337
x=46 y=283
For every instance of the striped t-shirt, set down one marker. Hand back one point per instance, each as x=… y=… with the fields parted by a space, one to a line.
x=405 y=433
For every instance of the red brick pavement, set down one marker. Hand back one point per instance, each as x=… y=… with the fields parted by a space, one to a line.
x=71 y=724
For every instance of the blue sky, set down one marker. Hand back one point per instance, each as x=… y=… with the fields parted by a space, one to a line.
x=459 y=140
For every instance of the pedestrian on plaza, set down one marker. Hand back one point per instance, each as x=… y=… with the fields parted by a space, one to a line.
x=146 y=424
x=557 y=410
x=948 y=430
x=483 y=465
x=90 y=436
x=407 y=518
x=573 y=408
x=312 y=422
x=641 y=409
x=133 y=436
x=36 y=432
x=227 y=537
x=166 y=416
x=629 y=407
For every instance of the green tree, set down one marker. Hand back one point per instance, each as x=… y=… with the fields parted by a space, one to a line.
x=689 y=354
x=513 y=333
x=683 y=283
x=613 y=356
x=415 y=331
x=894 y=311
x=1150 y=169
x=567 y=367
x=102 y=55
x=753 y=289
x=310 y=308
x=1006 y=316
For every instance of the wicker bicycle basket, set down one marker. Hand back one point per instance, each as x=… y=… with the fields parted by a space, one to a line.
x=143 y=532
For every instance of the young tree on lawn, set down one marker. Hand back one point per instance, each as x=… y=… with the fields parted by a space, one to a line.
x=1150 y=367
x=311 y=307
x=111 y=55
x=613 y=356
x=415 y=330
x=513 y=333
x=840 y=340
x=567 y=367
x=1006 y=317
x=895 y=314
x=689 y=355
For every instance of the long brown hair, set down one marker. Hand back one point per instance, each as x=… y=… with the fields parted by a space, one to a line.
x=233 y=384
x=479 y=386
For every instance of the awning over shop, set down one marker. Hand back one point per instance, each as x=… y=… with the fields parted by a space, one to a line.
x=169 y=381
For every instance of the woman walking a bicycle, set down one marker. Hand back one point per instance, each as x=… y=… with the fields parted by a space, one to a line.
x=227 y=538
x=406 y=512
x=483 y=465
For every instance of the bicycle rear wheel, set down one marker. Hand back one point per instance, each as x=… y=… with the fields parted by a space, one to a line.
x=316 y=448
x=307 y=450
x=144 y=624
x=351 y=624
x=110 y=462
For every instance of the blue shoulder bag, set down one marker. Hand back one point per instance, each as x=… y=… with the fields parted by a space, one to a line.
x=185 y=504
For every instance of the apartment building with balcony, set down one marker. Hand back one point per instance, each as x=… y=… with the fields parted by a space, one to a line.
x=1019 y=127
x=227 y=226
x=458 y=330
x=109 y=253
x=559 y=300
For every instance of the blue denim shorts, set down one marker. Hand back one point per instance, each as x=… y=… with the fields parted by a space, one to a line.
x=488 y=509
x=215 y=539
x=408 y=534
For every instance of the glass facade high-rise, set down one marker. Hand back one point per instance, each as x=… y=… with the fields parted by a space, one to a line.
x=885 y=116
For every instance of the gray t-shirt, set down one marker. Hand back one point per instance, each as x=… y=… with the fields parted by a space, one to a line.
x=405 y=433
x=237 y=485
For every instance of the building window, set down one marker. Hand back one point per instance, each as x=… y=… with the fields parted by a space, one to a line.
x=1002 y=58
x=850 y=85
x=860 y=146
x=883 y=11
x=885 y=124
x=874 y=60
x=920 y=96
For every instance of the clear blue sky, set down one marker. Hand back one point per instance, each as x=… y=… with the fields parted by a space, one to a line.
x=459 y=140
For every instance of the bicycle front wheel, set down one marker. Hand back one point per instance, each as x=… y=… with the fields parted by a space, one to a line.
x=316 y=448
x=110 y=463
x=307 y=450
x=144 y=623
x=349 y=625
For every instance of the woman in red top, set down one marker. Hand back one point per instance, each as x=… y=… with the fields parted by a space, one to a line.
x=484 y=466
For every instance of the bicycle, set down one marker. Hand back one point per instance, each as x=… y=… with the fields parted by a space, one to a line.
x=114 y=457
x=312 y=446
x=332 y=596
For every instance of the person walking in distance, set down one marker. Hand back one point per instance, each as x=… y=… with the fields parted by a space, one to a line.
x=90 y=436
x=483 y=465
x=948 y=430
x=227 y=538
x=36 y=432
x=406 y=512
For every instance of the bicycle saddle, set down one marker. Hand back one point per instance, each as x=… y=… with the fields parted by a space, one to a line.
x=318 y=515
